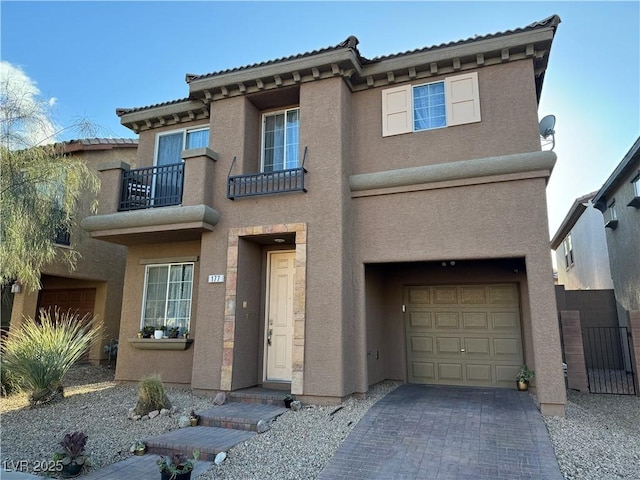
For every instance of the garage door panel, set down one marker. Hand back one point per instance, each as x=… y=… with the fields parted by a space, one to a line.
x=505 y=321
x=510 y=347
x=475 y=320
x=450 y=372
x=477 y=346
x=422 y=372
x=481 y=320
x=420 y=345
x=420 y=320
x=445 y=295
x=447 y=320
x=419 y=296
x=479 y=373
x=448 y=345
x=473 y=295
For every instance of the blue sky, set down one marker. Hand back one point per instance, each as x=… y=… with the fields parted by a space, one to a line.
x=93 y=57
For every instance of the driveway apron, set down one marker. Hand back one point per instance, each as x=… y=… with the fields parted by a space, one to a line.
x=437 y=432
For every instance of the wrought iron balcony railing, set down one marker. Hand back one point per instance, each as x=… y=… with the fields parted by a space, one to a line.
x=266 y=183
x=151 y=187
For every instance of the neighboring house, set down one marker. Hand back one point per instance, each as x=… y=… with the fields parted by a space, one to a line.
x=323 y=222
x=581 y=248
x=619 y=201
x=95 y=286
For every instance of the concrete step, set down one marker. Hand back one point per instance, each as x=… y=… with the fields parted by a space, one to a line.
x=264 y=396
x=134 y=468
x=208 y=440
x=239 y=415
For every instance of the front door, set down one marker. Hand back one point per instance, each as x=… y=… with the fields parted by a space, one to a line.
x=279 y=315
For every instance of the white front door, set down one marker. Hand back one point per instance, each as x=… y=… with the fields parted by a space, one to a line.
x=279 y=315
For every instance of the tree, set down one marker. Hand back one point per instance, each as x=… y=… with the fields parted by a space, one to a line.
x=39 y=184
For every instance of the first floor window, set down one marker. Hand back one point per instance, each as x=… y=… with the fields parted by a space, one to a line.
x=280 y=140
x=167 y=297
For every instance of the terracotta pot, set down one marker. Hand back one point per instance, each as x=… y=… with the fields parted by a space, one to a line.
x=523 y=386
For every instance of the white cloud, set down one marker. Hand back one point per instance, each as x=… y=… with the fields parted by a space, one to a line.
x=24 y=114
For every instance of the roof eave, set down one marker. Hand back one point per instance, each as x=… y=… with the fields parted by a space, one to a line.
x=164 y=114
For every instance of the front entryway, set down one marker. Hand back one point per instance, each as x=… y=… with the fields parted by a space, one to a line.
x=463 y=334
x=279 y=315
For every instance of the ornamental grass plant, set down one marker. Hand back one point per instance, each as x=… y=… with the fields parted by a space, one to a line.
x=151 y=395
x=41 y=352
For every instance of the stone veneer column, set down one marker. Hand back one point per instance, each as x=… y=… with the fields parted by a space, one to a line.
x=574 y=350
x=634 y=324
x=299 y=301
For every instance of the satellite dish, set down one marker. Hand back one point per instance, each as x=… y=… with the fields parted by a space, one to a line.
x=547 y=125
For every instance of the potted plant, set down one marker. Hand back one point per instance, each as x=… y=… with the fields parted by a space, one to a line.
x=173 y=332
x=177 y=466
x=194 y=418
x=159 y=332
x=138 y=448
x=141 y=334
x=287 y=401
x=147 y=331
x=72 y=456
x=186 y=334
x=524 y=376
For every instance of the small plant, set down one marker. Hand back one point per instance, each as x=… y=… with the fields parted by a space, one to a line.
x=524 y=374
x=151 y=396
x=177 y=464
x=138 y=447
x=72 y=455
x=288 y=399
x=147 y=331
x=10 y=382
x=174 y=332
x=41 y=353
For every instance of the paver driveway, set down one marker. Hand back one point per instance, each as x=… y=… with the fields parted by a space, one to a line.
x=437 y=432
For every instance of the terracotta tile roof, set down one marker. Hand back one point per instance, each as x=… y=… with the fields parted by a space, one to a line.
x=123 y=111
x=98 y=144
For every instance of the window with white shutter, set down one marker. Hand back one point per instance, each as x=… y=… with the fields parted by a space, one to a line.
x=397 y=114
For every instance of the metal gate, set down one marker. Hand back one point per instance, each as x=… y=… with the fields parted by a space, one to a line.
x=607 y=356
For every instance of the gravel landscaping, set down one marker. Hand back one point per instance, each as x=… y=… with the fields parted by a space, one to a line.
x=598 y=439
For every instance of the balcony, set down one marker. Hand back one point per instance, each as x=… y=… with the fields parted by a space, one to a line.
x=130 y=200
x=267 y=183
x=151 y=187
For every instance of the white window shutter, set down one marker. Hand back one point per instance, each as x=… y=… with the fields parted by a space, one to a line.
x=463 y=99
x=397 y=111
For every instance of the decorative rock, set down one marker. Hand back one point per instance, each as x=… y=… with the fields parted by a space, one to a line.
x=173 y=409
x=296 y=405
x=145 y=417
x=220 y=399
x=164 y=412
x=136 y=417
x=183 y=421
x=262 y=426
x=220 y=458
x=130 y=413
x=154 y=414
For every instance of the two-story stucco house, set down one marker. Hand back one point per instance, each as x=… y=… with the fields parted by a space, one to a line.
x=95 y=285
x=325 y=221
x=619 y=201
x=581 y=248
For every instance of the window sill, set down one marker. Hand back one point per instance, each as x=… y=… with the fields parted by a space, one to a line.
x=635 y=202
x=612 y=224
x=161 y=344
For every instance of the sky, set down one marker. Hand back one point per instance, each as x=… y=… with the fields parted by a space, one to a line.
x=88 y=58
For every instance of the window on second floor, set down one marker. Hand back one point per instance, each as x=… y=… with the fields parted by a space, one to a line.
x=171 y=144
x=635 y=201
x=568 y=252
x=280 y=140
x=612 y=216
x=413 y=108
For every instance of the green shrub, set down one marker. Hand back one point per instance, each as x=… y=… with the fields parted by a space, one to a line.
x=42 y=352
x=10 y=381
x=151 y=396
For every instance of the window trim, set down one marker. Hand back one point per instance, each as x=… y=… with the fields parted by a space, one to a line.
x=184 y=132
x=146 y=283
x=282 y=111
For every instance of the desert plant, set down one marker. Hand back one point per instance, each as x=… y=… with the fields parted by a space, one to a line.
x=151 y=395
x=72 y=455
x=9 y=380
x=42 y=352
x=176 y=464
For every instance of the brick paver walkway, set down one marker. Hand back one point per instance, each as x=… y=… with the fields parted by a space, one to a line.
x=447 y=433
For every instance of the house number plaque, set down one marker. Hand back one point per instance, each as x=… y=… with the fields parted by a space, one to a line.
x=216 y=278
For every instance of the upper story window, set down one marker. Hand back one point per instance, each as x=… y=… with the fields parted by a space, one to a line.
x=568 y=252
x=452 y=101
x=635 y=201
x=280 y=140
x=167 y=296
x=612 y=216
x=171 y=144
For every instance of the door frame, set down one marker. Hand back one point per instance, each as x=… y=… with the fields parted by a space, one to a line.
x=265 y=349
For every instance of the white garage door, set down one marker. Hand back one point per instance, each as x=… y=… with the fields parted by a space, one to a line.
x=463 y=334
